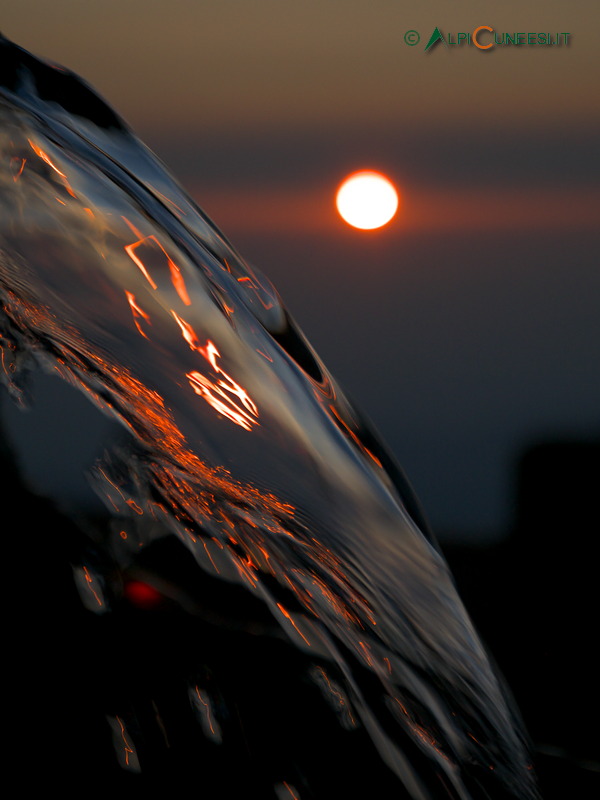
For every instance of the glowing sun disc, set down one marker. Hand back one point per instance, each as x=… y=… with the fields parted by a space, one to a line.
x=367 y=200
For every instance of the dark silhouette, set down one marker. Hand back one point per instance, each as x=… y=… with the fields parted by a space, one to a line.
x=534 y=599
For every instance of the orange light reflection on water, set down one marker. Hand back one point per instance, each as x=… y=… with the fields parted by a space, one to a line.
x=46 y=158
x=220 y=394
x=176 y=276
x=18 y=174
x=137 y=313
x=127 y=748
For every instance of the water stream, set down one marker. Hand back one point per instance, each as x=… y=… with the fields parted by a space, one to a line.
x=238 y=445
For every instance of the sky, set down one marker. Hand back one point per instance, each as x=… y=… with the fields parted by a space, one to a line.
x=468 y=328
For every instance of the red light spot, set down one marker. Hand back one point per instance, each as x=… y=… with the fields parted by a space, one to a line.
x=143 y=595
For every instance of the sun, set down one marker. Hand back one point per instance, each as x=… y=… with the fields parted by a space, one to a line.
x=367 y=200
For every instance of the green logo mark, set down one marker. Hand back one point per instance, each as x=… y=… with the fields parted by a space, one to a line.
x=435 y=37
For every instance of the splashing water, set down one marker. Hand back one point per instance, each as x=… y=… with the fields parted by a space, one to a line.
x=242 y=448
